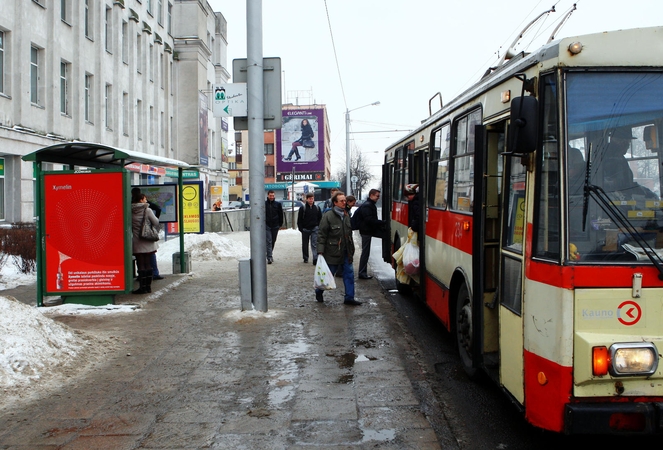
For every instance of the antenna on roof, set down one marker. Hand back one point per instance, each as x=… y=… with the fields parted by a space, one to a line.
x=511 y=49
x=562 y=22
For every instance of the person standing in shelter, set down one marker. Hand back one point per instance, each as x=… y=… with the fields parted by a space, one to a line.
x=336 y=244
x=308 y=222
x=157 y=212
x=273 y=222
x=141 y=248
x=369 y=227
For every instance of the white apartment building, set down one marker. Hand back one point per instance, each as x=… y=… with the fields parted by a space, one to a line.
x=133 y=74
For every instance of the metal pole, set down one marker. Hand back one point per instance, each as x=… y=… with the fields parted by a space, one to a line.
x=292 y=190
x=347 y=151
x=254 y=78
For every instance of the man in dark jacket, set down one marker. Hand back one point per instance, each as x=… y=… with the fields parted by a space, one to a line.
x=308 y=221
x=335 y=242
x=273 y=222
x=370 y=226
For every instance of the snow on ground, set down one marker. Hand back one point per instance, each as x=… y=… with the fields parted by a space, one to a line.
x=32 y=345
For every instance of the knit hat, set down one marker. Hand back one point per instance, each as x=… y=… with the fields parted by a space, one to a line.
x=411 y=189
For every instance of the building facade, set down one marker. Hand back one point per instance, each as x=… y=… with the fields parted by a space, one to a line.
x=116 y=72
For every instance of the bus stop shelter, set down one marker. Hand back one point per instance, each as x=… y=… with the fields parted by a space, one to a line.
x=84 y=220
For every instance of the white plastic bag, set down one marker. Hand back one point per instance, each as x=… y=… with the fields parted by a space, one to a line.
x=411 y=256
x=323 y=278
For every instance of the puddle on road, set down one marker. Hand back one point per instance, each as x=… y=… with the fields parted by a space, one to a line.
x=378 y=435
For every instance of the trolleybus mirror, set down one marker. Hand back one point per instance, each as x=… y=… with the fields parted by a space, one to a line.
x=524 y=125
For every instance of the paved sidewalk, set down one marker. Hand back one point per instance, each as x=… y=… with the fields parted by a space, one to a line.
x=192 y=371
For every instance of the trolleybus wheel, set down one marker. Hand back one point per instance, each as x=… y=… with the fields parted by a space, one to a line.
x=464 y=331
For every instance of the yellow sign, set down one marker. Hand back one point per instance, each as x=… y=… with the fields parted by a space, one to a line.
x=192 y=206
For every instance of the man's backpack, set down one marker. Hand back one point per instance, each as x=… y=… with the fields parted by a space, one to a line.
x=355 y=220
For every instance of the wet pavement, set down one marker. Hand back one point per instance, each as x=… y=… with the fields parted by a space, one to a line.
x=190 y=370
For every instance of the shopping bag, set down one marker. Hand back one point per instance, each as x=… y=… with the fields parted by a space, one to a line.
x=148 y=231
x=323 y=278
x=411 y=254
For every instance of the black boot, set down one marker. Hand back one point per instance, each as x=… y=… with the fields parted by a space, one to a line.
x=148 y=282
x=141 y=282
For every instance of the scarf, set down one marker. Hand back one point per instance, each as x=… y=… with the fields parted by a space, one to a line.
x=340 y=211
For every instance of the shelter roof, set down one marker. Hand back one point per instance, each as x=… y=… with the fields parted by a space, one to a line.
x=89 y=154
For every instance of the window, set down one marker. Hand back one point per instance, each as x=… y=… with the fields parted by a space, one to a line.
x=65 y=12
x=463 y=162
x=269 y=149
x=169 y=24
x=160 y=11
x=162 y=125
x=125 y=42
x=269 y=171
x=65 y=69
x=139 y=53
x=151 y=62
x=163 y=75
x=151 y=125
x=109 y=29
x=108 y=106
x=439 y=187
x=139 y=119
x=149 y=7
x=125 y=113
x=547 y=206
x=88 y=97
x=88 y=19
x=2 y=61
x=34 y=75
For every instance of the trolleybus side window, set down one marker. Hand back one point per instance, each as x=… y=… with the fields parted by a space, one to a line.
x=440 y=168
x=463 y=162
x=400 y=161
x=547 y=206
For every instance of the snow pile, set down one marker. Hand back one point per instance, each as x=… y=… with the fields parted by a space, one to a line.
x=203 y=247
x=31 y=344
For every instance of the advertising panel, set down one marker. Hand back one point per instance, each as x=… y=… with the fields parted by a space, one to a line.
x=192 y=203
x=164 y=195
x=84 y=232
x=203 y=130
x=300 y=142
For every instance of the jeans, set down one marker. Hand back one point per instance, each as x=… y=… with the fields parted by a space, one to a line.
x=312 y=236
x=271 y=234
x=348 y=278
x=365 y=253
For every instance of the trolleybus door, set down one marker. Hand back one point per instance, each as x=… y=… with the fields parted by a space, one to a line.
x=486 y=246
x=511 y=283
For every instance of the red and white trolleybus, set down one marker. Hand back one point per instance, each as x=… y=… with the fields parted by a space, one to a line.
x=541 y=238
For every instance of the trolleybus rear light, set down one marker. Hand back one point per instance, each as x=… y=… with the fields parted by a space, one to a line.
x=600 y=361
x=628 y=421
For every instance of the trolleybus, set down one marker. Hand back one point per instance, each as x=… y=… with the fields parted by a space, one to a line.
x=541 y=236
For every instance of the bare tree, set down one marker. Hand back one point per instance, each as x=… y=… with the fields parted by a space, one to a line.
x=358 y=168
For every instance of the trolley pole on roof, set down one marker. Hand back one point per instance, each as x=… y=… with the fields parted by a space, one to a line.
x=255 y=92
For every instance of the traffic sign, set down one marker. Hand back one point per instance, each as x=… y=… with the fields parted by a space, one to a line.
x=229 y=100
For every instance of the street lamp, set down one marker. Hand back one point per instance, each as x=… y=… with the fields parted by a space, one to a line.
x=347 y=143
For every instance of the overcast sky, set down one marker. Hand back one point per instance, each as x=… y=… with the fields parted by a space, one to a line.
x=401 y=53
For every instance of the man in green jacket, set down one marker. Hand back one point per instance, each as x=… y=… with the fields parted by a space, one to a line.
x=336 y=244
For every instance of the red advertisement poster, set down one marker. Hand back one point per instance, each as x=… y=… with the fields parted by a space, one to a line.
x=84 y=232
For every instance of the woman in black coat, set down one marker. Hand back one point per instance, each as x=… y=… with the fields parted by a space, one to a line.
x=307 y=134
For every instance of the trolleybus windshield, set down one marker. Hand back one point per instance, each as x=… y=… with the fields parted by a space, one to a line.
x=614 y=120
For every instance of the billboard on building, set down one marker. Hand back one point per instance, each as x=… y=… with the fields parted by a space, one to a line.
x=300 y=143
x=203 y=130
